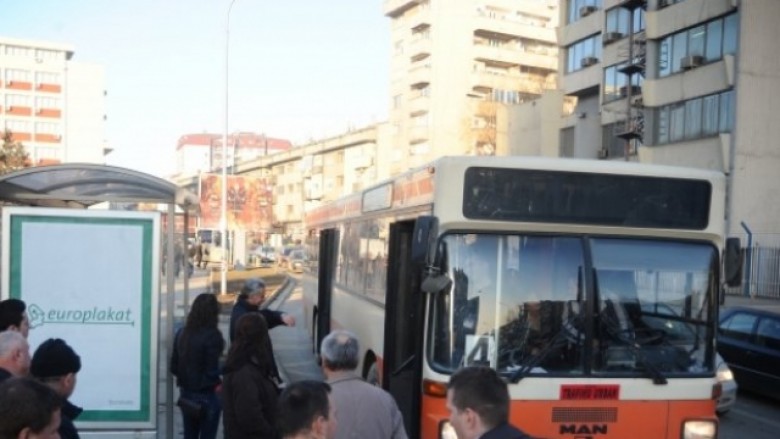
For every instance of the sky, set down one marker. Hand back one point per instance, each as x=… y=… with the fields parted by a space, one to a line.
x=298 y=69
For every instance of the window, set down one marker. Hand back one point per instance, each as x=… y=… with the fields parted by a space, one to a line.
x=612 y=144
x=581 y=8
x=583 y=53
x=47 y=128
x=17 y=75
x=46 y=54
x=695 y=118
x=768 y=333
x=47 y=78
x=615 y=83
x=17 y=101
x=18 y=51
x=709 y=41
x=618 y=20
x=17 y=126
x=47 y=103
x=739 y=326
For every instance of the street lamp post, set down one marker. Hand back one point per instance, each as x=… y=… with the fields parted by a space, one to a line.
x=223 y=220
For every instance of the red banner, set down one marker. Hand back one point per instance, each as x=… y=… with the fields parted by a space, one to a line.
x=248 y=202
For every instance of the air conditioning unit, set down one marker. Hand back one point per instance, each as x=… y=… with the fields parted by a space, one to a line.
x=691 y=62
x=637 y=101
x=603 y=153
x=611 y=37
x=588 y=61
x=635 y=90
x=587 y=10
x=663 y=3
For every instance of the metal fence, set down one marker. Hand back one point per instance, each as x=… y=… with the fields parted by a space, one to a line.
x=761 y=266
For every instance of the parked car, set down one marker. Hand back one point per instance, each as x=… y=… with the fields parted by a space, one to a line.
x=297 y=260
x=677 y=331
x=749 y=341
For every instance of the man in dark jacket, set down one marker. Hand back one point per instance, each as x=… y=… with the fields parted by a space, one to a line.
x=478 y=401
x=56 y=364
x=249 y=300
x=14 y=355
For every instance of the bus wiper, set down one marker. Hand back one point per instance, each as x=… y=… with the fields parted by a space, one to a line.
x=652 y=371
x=557 y=342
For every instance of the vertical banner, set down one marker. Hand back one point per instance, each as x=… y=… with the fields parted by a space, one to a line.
x=91 y=278
x=248 y=202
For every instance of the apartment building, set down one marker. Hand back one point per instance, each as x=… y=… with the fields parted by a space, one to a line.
x=456 y=63
x=53 y=105
x=680 y=82
x=202 y=152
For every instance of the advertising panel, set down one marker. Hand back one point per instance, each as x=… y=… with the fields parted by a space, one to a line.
x=248 y=202
x=90 y=278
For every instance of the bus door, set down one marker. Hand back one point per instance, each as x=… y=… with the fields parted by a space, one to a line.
x=402 y=371
x=325 y=272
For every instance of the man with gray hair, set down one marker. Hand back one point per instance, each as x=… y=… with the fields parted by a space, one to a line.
x=14 y=355
x=365 y=411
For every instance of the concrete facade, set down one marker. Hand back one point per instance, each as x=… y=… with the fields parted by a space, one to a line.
x=455 y=66
x=53 y=105
x=706 y=94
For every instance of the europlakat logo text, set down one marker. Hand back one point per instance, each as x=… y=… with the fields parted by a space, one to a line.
x=95 y=315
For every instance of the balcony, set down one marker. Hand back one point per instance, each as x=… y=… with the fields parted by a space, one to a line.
x=487 y=24
x=418 y=134
x=420 y=75
x=420 y=49
x=419 y=105
x=394 y=8
x=522 y=83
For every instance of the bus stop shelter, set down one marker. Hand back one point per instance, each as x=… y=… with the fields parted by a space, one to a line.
x=81 y=186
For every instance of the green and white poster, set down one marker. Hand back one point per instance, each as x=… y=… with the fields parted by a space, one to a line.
x=89 y=277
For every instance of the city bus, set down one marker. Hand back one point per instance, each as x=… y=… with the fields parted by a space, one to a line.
x=591 y=286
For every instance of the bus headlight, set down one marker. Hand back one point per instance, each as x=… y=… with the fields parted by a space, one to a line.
x=700 y=430
x=446 y=431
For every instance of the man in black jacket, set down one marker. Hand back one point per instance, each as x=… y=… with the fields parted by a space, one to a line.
x=249 y=300
x=56 y=364
x=478 y=401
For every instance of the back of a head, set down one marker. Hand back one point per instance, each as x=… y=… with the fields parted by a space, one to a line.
x=54 y=358
x=300 y=404
x=26 y=403
x=11 y=313
x=204 y=312
x=339 y=350
x=251 y=339
x=482 y=390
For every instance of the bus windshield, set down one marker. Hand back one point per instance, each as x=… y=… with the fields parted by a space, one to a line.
x=523 y=304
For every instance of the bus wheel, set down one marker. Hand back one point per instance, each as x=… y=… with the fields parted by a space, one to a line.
x=372 y=376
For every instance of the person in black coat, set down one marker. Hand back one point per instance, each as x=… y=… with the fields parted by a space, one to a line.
x=249 y=300
x=195 y=363
x=249 y=391
x=478 y=401
x=56 y=364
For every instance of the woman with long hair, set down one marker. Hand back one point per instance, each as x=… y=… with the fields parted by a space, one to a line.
x=195 y=363
x=249 y=391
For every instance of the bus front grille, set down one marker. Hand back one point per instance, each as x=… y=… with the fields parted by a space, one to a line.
x=576 y=414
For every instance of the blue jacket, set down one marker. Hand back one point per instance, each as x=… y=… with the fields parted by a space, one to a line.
x=196 y=367
x=69 y=413
x=505 y=431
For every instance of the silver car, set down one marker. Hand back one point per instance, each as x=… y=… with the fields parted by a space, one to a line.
x=728 y=397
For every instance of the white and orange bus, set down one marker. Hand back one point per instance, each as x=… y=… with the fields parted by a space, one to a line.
x=592 y=286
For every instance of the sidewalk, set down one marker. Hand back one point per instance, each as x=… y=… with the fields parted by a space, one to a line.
x=752 y=302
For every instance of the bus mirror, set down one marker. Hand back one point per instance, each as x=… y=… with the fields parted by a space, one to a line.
x=433 y=283
x=733 y=262
x=425 y=230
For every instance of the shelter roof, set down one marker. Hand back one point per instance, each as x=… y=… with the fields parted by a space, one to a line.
x=85 y=184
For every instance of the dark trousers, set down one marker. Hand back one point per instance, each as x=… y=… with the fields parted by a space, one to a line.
x=206 y=427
